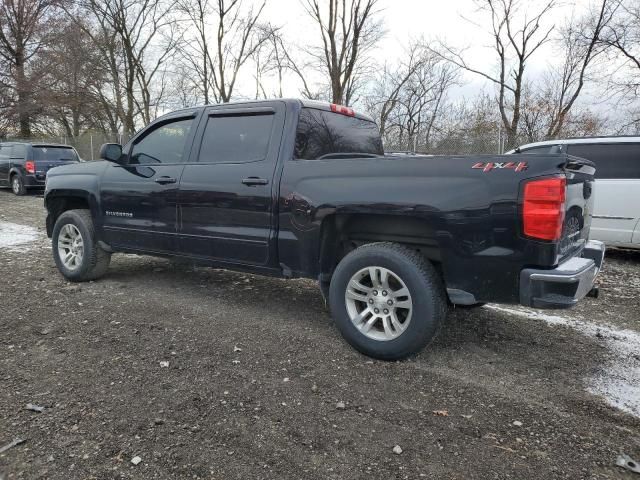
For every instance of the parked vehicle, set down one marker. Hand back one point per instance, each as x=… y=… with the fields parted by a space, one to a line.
x=303 y=189
x=25 y=166
x=616 y=215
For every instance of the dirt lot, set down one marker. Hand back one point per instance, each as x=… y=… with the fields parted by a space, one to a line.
x=258 y=383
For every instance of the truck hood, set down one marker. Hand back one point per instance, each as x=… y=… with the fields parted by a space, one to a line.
x=84 y=168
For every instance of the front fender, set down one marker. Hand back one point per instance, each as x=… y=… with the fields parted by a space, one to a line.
x=70 y=187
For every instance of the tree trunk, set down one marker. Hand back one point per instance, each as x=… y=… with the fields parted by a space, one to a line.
x=24 y=118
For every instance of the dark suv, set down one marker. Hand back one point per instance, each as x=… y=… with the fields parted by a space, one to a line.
x=25 y=165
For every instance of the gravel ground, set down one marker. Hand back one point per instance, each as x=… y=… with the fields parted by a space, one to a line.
x=204 y=373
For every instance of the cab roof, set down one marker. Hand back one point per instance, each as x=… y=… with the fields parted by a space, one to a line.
x=304 y=103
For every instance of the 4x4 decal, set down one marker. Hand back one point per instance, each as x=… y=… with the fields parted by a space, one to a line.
x=488 y=166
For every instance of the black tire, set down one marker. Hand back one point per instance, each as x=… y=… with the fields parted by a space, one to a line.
x=17 y=185
x=422 y=281
x=95 y=260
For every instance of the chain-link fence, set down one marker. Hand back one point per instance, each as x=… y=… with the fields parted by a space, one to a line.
x=87 y=144
x=458 y=142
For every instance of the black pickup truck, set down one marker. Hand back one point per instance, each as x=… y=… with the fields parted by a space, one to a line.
x=303 y=189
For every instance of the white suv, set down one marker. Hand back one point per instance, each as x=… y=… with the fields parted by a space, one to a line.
x=616 y=216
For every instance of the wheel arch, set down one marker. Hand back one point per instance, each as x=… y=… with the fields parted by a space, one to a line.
x=59 y=201
x=14 y=170
x=342 y=233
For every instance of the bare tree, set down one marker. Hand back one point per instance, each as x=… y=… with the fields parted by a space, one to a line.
x=216 y=62
x=349 y=29
x=548 y=102
x=388 y=87
x=407 y=98
x=622 y=35
x=272 y=62
x=581 y=45
x=468 y=127
x=24 y=32
x=516 y=35
x=136 y=39
x=70 y=77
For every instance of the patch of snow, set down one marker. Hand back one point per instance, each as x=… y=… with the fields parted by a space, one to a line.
x=16 y=237
x=618 y=382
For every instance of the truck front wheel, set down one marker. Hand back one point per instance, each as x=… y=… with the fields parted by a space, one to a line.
x=387 y=300
x=75 y=247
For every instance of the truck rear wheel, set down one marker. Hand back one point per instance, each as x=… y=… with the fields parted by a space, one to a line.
x=387 y=300
x=75 y=247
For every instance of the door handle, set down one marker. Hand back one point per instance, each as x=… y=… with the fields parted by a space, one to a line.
x=165 y=180
x=252 y=181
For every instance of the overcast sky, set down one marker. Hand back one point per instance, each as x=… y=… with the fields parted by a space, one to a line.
x=433 y=19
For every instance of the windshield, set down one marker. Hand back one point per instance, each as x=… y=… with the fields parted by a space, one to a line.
x=321 y=133
x=54 y=153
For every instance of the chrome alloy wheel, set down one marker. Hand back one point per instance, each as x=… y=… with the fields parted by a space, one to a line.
x=378 y=303
x=15 y=184
x=70 y=247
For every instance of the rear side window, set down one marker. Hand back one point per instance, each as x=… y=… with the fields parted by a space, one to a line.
x=613 y=160
x=236 y=138
x=18 y=151
x=53 y=153
x=321 y=133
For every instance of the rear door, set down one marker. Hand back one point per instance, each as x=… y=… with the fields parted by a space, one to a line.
x=617 y=189
x=138 y=197
x=227 y=190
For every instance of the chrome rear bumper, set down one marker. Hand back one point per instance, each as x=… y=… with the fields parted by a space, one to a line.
x=565 y=285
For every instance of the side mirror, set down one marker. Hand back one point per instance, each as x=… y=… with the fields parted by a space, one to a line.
x=111 y=152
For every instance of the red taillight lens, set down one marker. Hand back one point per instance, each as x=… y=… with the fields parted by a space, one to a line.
x=30 y=166
x=543 y=209
x=350 y=112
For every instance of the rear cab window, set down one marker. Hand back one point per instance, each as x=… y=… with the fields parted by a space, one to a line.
x=53 y=153
x=323 y=134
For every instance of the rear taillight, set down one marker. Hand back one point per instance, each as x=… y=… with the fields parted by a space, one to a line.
x=543 y=208
x=349 y=112
x=30 y=166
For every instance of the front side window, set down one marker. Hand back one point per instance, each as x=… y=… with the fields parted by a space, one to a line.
x=323 y=134
x=164 y=144
x=236 y=138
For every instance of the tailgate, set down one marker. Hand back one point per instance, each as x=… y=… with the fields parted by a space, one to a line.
x=578 y=205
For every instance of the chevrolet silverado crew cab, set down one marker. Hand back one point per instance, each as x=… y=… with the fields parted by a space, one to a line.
x=296 y=188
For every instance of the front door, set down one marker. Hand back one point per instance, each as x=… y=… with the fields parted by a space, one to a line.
x=226 y=193
x=139 y=195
